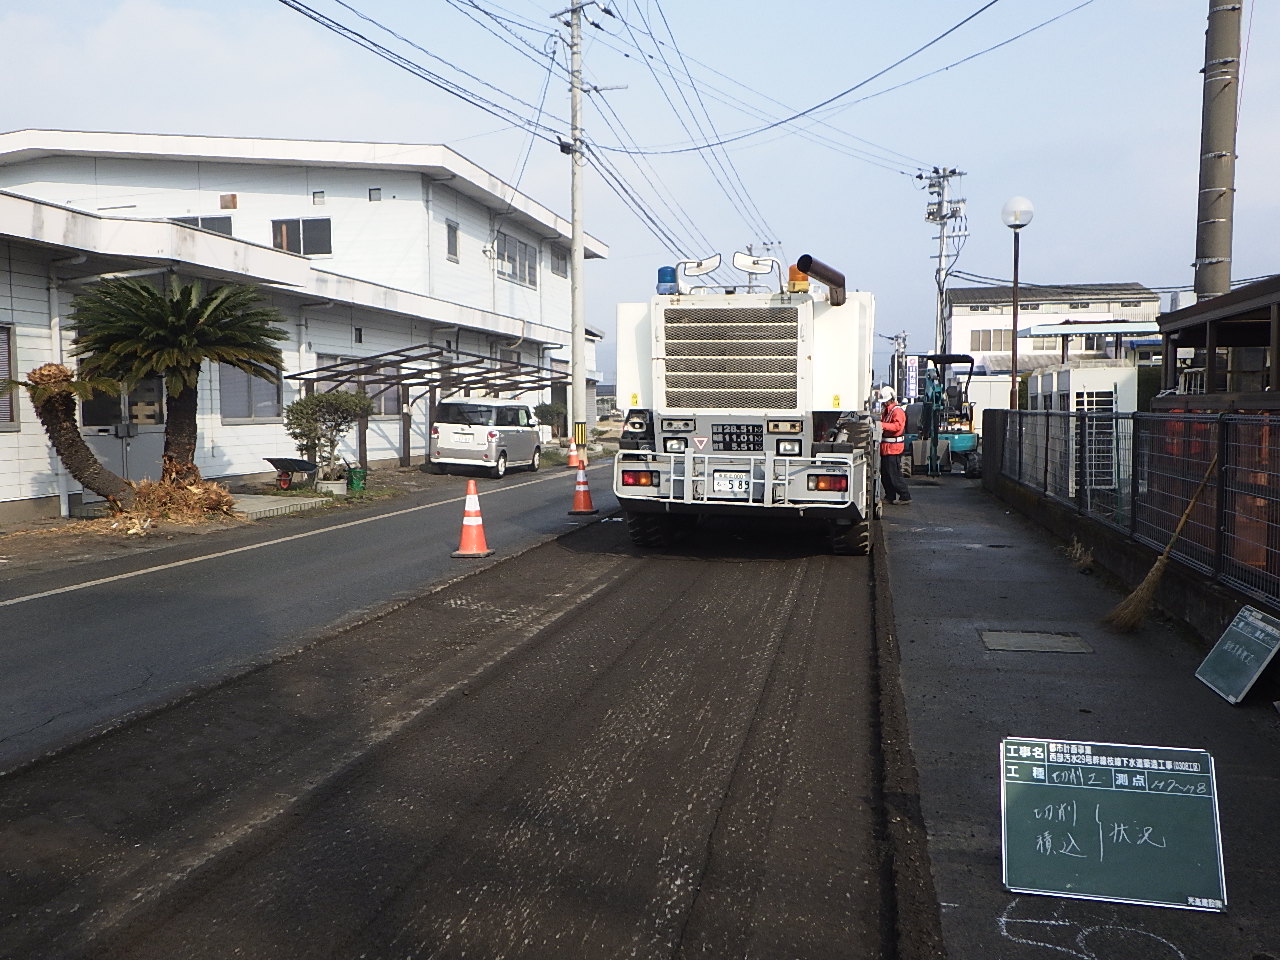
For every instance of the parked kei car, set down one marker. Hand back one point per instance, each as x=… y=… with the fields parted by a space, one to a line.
x=486 y=433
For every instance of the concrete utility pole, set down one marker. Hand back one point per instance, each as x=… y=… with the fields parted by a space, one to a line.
x=1218 y=150
x=577 y=256
x=948 y=213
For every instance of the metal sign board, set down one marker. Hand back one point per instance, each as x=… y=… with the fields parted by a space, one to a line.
x=1241 y=654
x=911 y=382
x=1106 y=821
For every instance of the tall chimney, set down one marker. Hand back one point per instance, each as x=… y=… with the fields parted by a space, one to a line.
x=1218 y=150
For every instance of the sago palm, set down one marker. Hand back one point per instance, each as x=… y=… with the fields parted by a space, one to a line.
x=128 y=330
x=54 y=390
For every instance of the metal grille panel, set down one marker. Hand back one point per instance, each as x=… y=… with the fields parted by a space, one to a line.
x=735 y=348
x=741 y=358
x=732 y=399
x=733 y=365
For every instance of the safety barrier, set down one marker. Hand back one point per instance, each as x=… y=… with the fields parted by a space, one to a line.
x=1137 y=472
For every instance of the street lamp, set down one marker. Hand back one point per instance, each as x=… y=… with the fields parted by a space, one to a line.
x=1017 y=213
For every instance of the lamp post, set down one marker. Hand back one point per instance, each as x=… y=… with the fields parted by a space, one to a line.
x=1017 y=213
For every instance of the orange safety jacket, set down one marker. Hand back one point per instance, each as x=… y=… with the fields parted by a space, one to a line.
x=893 y=424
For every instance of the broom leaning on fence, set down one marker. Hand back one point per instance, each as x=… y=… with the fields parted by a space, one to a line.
x=1133 y=609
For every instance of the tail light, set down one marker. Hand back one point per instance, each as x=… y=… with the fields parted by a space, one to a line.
x=837 y=482
x=435 y=432
x=640 y=478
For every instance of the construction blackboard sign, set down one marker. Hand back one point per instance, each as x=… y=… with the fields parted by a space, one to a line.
x=1106 y=821
x=1241 y=654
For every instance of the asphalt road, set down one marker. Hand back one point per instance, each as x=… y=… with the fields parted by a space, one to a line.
x=580 y=752
x=88 y=644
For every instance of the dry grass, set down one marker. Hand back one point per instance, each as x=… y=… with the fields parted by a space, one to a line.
x=1081 y=557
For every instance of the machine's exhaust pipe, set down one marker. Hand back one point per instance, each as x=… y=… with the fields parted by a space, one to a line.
x=833 y=278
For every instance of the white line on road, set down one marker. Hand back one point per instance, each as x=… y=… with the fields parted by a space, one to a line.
x=257 y=546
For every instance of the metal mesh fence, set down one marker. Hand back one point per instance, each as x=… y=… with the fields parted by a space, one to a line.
x=1215 y=480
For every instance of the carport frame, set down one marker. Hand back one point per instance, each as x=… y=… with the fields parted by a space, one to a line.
x=438 y=370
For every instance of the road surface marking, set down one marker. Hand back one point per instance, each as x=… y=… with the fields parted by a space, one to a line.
x=256 y=546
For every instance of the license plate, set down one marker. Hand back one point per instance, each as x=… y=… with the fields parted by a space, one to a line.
x=730 y=481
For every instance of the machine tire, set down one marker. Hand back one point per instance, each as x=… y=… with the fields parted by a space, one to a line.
x=536 y=461
x=850 y=539
x=654 y=530
x=499 y=468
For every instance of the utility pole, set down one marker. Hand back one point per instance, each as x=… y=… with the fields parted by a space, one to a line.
x=577 y=291
x=948 y=213
x=1218 y=150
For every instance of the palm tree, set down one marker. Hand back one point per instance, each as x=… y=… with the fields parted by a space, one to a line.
x=54 y=390
x=127 y=330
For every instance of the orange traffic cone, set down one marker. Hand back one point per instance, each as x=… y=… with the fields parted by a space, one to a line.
x=472 y=543
x=582 y=494
x=573 y=456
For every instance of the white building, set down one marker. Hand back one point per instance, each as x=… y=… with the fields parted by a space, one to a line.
x=980 y=321
x=401 y=250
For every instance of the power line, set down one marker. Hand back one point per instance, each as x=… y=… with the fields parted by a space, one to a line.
x=818 y=106
x=455 y=89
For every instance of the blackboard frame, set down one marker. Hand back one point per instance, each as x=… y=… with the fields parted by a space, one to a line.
x=1115 y=822
x=1241 y=654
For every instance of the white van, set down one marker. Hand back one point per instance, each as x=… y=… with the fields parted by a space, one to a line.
x=487 y=433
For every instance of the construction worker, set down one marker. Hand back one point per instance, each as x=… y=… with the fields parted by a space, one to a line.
x=893 y=427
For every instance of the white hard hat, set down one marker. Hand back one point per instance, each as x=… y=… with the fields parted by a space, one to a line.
x=886 y=393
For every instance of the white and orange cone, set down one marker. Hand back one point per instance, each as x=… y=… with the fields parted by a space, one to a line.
x=573 y=463
x=582 y=494
x=472 y=542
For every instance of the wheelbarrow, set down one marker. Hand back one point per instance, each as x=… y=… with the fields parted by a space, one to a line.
x=289 y=467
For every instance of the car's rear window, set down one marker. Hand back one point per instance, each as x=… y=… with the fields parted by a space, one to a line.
x=474 y=414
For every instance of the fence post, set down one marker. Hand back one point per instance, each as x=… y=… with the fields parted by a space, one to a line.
x=1220 y=506
x=1134 y=436
x=1047 y=419
x=1017 y=416
x=1083 y=500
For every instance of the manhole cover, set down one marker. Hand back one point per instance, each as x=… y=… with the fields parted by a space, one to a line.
x=1017 y=640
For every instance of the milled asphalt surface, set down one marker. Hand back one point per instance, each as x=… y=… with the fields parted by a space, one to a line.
x=961 y=563
x=958 y=563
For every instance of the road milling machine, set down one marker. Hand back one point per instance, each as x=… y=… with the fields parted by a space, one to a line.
x=749 y=400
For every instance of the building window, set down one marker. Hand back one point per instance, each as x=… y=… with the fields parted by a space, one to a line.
x=559 y=261
x=214 y=224
x=1028 y=306
x=228 y=201
x=1130 y=303
x=451 y=240
x=517 y=260
x=988 y=340
x=317 y=197
x=1078 y=306
x=979 y=308
x=385 y=395
x=8 y=398
x=245 y=397
x=307 y=237
x=375 y=194
x=1043 y=343
x=1095 y=341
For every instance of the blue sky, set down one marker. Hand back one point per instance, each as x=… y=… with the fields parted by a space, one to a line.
x=1094 y=117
